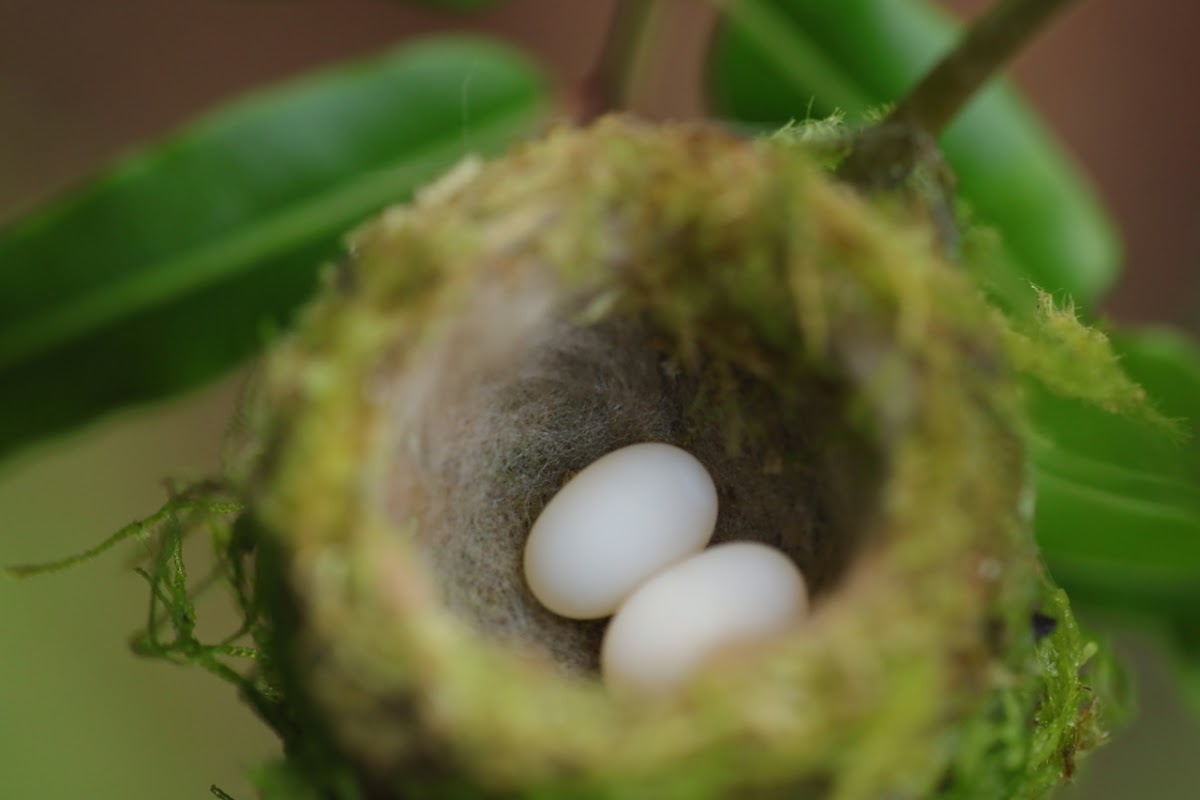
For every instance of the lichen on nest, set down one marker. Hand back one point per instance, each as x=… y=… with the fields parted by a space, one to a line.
x=850 y=391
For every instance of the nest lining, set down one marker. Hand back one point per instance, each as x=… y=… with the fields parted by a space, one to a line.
x=517 y=397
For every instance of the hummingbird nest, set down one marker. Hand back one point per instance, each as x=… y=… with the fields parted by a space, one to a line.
x=853 y=395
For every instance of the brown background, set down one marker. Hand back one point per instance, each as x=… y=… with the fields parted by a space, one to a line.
x=83 y=81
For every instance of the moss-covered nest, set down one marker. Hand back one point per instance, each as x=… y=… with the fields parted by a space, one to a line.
x=850 y=391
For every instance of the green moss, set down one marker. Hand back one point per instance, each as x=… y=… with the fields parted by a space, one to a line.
x=824 y=336
x=1075 y=360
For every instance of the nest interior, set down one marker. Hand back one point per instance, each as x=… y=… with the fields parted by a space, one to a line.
x=519 y=395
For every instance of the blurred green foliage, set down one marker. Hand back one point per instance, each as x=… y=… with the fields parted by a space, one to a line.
x=169 y=269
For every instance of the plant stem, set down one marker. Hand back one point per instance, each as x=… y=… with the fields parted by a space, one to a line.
x=607 y=87
x=886 y=155
x=988 y=45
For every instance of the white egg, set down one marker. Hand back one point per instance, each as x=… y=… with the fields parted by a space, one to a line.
x=621 y=519
x=730 y=596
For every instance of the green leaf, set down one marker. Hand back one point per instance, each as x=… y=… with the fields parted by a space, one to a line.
x=1118 y=501
x=1187 y=656
x=169 y=268
x=779 y=60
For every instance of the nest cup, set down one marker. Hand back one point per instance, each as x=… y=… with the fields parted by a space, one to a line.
x=626 y=283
